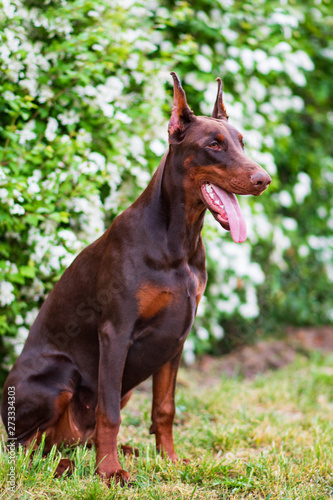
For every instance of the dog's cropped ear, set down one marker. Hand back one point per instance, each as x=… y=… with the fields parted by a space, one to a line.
x=219 y=110
x=181 y=116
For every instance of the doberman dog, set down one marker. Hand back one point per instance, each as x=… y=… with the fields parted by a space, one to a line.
x=123 y=309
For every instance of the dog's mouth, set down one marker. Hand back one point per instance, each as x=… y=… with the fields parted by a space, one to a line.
x=226 y=210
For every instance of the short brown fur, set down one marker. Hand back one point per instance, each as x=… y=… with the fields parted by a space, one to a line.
x=122 y=310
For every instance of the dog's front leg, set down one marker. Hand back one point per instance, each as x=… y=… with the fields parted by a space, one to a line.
x=163 y=409
x=113 y=352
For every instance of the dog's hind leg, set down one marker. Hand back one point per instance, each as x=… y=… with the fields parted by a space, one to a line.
x=44 y=402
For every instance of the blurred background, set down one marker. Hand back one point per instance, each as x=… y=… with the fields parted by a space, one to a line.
x=85 y=98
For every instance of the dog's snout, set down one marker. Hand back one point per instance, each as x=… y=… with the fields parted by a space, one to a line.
x=260 y=180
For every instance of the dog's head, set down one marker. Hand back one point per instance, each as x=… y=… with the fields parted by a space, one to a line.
x=212 y=154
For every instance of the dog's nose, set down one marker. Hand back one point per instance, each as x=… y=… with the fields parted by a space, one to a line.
x=260 y=180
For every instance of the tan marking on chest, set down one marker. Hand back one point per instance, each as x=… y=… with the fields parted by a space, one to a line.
x=152 y=299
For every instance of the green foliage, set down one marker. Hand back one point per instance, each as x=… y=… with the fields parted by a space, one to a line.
x=85 y=95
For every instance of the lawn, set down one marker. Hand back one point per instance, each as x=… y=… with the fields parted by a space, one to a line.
x=266 y=438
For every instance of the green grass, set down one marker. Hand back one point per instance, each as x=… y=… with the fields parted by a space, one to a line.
x=268 y=438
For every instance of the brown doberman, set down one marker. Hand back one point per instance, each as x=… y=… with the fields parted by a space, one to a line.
x=123 y=309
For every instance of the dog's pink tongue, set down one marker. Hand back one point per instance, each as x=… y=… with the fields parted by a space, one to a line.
x=234 y=213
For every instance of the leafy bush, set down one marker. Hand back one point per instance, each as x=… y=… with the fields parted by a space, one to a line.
x=85 y=98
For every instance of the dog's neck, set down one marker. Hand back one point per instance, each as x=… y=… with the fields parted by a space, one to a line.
x=173 y=210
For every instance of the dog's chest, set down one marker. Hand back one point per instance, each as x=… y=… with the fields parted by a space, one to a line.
x=166 y=311
x=170 y=292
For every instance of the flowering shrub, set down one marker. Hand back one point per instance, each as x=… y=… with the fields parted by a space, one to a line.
x=84 y=102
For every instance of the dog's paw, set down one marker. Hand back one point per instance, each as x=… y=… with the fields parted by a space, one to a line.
x=180 y=460
x=65 y=466
x=120 y=476
x=129 y=450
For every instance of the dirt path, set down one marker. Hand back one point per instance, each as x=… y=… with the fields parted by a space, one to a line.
x=249 y=361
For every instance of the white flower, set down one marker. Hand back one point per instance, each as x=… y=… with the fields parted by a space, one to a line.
x=31 y=316
x=107 y=108
x=197 y=84
x=19 y=320
x=231 y=65
x=133 y=61
x=248 y=58
x=57 y=252
x=283 y=19
x=265 y=159
x=289 y=224
x=297 y=103
x=3 y=195
x=303 y=187
x=250 y=310
x=282 y=47
x=29 y=83
x=217 y=331
x=6 y=295
x=27 y=133
x=44 y=93
x=266 y=108
x=8 y=8
x=68 y=118
x=157 y=147
x=33 y=186
x=255 y=273
x=264 y=66
x=97 y=47
x=17 y=209
x=281 y=243
x=4 y=53
x=9 y=96
x=189 y=356
x=254 y=140
x=314 y=242
x=257 y=89
x=122 y=117
x=303 y=60
x=229 y=305
x=282 y=130
x=322 y=212
x=136 y=146
x=285 y=198
x=18 y=342
x=84 y=136
x=13 y=43
x=202 y=333
x=68 y=236
x=203 y=63
x=98 y=159
x=303 y=251
x=229 y=34
x=142 y=176
x=51 y=128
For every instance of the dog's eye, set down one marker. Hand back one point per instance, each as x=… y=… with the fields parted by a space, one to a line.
x=214 y=145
